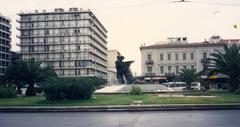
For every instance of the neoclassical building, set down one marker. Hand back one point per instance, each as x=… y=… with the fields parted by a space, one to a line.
x=73 y=42
x=168 y=58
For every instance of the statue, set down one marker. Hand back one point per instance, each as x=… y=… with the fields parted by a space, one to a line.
x=123 y=70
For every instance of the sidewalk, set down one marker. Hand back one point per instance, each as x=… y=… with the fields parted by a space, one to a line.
x=118 y=108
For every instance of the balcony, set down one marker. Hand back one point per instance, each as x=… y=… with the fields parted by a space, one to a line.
x=149 y=74
x=169 y=74
x=204 y=60
x=149 y=62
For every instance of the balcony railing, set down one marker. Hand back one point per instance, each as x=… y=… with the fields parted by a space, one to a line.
x=169 y=74
x=149 y=62
x=204 y=60
x=149 y=74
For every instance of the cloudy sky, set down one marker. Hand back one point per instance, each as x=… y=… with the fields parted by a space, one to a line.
x=131 y=23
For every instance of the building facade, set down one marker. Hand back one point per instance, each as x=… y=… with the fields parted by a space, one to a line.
x=15 y=56
x=167 y=59
x=112 y=72
x=5 y=46
x=73 y=42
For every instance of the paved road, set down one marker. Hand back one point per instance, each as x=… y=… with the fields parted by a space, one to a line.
x=213 y=118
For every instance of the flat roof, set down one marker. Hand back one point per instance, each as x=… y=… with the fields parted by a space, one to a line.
x=62 y=11
x=191 y=45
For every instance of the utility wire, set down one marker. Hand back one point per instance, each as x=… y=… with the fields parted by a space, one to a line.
x=215 y=3
x=133 y=5
x=162 y=3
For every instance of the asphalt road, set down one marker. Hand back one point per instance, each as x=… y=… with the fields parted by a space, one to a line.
x=213 y=118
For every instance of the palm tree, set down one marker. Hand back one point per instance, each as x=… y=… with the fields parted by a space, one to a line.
x=14 y=76
x=29 y=72
x=227 y=62
x=188 y=76
x=34 y=73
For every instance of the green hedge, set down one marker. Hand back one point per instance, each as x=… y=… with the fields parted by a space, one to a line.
x=136 y=90
x=70 y=88
x=7 y=92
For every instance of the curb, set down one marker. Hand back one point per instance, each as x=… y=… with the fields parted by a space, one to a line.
x=120 y=108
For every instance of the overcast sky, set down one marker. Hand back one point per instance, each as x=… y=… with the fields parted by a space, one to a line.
x=131 y=23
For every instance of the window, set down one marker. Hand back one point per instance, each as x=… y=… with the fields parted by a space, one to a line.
x=161 y=57
x=176 y=56
x=177 y=69
x=81 y=63
x=76 y=31
x=31 y=49
x=192 y=67
x=46 y=32
x=149 y=57
x=50 y=64
x=45 y=40
x=185 y=67
x=192 y=56
x=46 y=48
x=204 y=55
x=61 y=39
x=62 y=56
x=32 y=41
x=149 y=69
x=78 y=47
x=169 y=69
x=61 y=64
x=77 y=71
x=63 y=48
x=169 y=56
x=161 y=69
x=184 y=56
x=62 y=72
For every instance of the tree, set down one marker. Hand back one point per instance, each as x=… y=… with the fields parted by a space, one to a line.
x=188 y=76
x=14 y=75
x=227 y=62
x=29 y=72
x=34 y=73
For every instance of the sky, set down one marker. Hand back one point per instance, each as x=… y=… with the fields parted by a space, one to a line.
x=131 y=23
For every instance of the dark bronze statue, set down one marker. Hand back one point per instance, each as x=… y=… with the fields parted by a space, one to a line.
x=123 y=70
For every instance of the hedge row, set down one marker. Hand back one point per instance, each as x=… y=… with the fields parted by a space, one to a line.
x=71 y=88
x=7 y=92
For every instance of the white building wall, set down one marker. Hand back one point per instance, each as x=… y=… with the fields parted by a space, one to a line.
x=112 y=76
x=76 y=40
x=157 y=63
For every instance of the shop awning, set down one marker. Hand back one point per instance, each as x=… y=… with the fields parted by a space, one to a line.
x=218 y=76
x=158 y=78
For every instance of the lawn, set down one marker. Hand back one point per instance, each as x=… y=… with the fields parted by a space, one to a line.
x=125 y=99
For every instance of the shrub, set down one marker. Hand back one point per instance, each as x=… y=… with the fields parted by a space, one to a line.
x=237 y=92
x=78 y=91
x=53 y=92
x=31 y=91
x=136 y=90
x=98 y=81
x=69 y=88
x=6 y=92
x=39 y=89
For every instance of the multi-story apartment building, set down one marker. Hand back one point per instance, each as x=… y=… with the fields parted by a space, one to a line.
x=5 y=46
x=112 y=72
x=73 y=41
x=167 y=59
